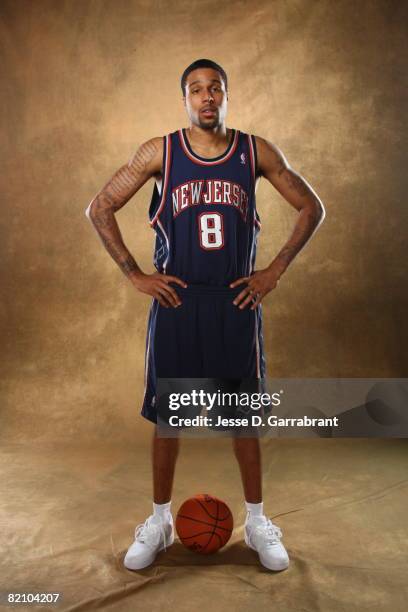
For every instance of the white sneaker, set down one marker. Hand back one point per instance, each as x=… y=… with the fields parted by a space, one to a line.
x=150 y=537
x=264 y=536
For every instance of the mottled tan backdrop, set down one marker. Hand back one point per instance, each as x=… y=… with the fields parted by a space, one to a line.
x=85 y=82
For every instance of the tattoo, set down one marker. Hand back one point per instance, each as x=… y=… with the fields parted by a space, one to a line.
x=114 y=195
x=311 y=210
x=296 y=182
x=278 y=162
x=281 y=165
x=108 y=230
x=128 y=179
x=305 y=227
x=129 y=265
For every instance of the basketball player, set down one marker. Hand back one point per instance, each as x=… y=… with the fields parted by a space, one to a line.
x=205 y=318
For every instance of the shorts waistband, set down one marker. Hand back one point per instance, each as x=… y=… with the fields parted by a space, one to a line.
x=208 y=290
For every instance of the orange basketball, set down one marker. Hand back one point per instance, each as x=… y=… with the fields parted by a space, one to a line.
x=204 y=523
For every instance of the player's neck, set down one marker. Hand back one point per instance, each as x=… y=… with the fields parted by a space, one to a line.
x=208 y=138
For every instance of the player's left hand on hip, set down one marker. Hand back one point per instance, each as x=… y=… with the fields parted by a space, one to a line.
x=258 y=285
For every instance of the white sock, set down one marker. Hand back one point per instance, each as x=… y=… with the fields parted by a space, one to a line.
x=162 y=511
x=255 y=511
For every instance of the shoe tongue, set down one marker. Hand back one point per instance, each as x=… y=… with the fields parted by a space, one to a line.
x=156 y=519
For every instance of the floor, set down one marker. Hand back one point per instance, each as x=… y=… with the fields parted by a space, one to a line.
x=68 y=514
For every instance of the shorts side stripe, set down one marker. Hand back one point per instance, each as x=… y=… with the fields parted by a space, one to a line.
x=258 y=366
x=147 y=360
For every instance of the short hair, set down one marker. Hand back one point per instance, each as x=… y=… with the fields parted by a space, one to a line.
x=202 y=63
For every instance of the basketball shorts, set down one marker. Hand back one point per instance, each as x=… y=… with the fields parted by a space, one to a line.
x=206 y=337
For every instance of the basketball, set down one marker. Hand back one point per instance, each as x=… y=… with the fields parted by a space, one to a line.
x=204 y=523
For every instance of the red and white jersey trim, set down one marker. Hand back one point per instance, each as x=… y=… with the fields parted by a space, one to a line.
x=198 y=160
x=166 y=172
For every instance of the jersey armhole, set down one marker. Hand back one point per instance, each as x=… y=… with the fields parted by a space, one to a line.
x=256 y=175
x=257 y=172
x=161 y=196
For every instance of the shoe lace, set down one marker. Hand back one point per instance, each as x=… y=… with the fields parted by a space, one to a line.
x=270 y=532
x=149 y=533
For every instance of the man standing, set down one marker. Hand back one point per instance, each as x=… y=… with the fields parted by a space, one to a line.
x=205 y=319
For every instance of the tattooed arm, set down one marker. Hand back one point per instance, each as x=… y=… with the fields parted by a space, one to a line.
x=297 y=192
x=146 y=163
x=293 y=187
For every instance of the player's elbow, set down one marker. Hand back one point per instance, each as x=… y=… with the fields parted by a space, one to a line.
x=316 y=209
x=90 y=211
x=320 y=212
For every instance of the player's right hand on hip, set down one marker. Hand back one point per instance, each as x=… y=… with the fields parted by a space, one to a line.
x=157 y=285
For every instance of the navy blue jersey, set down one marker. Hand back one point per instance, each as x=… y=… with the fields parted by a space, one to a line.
x=206 y=223
x=205 y=215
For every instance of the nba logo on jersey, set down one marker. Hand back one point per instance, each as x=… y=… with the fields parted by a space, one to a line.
x=243 y=159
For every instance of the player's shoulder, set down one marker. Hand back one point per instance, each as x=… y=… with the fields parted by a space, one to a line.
x=156 y=142
x=261 y=143
x=267 y=150
x=151 y=146
x=159 y=143
x=149 y=154
x=268 y=154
